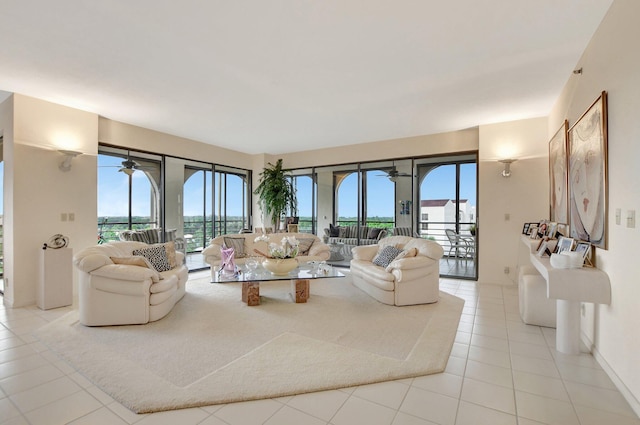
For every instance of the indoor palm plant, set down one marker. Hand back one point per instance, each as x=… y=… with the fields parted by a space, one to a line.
x=276 y=192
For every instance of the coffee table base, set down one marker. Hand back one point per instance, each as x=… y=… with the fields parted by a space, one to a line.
x=251 y=292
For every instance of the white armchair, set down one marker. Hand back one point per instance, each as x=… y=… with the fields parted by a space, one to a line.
x=410 y=280
x=112 y=291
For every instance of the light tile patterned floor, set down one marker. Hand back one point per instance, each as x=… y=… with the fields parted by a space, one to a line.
x=501 y=372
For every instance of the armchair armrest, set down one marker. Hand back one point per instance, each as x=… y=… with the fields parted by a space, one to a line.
x=127 y=273
x=409 y=263
x=92 y=262
x=364 y=252
x=212 y=251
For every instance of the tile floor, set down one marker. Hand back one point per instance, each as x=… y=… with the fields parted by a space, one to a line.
x=501 y=372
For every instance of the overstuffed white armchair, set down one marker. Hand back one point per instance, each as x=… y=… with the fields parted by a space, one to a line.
x=114 y=291
x=411 y=278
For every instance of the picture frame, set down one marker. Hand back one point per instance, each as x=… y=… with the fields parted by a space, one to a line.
x=588 y=203
x=543 y=248
x=533 y=230
x=586 y=249
x=564 y=244
x=525 y=228
x=553 y=228
x=558 y=175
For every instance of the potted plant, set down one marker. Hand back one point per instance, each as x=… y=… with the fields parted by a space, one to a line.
x=276 y=192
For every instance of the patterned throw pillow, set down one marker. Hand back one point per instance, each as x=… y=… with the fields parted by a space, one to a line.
x=305 y=245
x=157 y=256
x=237 y=244
x=386 y=255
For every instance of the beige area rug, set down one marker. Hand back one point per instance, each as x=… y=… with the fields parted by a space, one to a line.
x=214 y=349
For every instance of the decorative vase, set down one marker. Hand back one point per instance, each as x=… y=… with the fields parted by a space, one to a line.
x=280 y=266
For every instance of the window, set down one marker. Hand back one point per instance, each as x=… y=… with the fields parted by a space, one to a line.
x=307 y=200
x=128 y=192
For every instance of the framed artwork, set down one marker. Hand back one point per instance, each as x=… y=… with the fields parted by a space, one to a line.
x=588 y=174
x=558 y=175
x=525 y=229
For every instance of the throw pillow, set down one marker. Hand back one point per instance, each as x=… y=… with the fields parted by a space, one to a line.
x=342 y=231
x=386 y=255
x=237 y=244
x=157 y=256
x=305 y=245
x=411 y=252
x=170 y=247
x=334 y=231
x=374 y=232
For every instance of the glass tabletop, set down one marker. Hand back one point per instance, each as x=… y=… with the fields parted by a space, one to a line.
x=310 y=270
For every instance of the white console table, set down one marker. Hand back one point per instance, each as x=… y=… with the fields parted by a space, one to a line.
x=570 y=287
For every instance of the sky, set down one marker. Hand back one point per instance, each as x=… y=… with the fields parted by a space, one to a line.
x=113 y=188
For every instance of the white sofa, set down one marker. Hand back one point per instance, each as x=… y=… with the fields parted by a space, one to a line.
x=406 y=281
x=318 y=251
x=122 y=294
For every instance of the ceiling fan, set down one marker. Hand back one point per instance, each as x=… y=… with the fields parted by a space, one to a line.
x=129 y=166
x=393 y=174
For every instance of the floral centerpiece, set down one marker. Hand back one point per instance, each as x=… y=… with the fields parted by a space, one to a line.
x=288 y=247
x=281 y=258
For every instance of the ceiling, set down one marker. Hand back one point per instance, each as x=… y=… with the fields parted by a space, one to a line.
x=277 y=76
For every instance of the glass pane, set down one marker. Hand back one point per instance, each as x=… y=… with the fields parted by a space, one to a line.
x=193 y=209
x=142 y=199
x=347 y=199
x=305 y=193
x=467 y=197
x=113 y=198
x=380 y=200
x=235 y=203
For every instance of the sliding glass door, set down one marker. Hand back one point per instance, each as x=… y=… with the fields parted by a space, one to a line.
x=447 y=211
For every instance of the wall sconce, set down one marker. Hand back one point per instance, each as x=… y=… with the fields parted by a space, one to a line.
x=405 y=207
x=507 y=166
x=65 y=165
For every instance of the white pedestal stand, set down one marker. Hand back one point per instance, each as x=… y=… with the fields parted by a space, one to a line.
x=55 y=286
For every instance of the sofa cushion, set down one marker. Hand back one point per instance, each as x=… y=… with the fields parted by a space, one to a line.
x=304 y=245
x=386 y=255
x=136 y=260
x=157 y=256
x=237 y=244
x=374 y=232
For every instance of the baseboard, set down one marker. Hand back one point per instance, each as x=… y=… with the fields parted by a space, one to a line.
x=626 y=393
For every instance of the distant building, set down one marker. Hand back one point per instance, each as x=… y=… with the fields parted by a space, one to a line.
x=436 y=215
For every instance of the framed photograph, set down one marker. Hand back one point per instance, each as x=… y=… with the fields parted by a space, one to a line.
x=525 y=229
x=543 y=227
x=585 y=249
x=562 y=230
x=553 y=229
x=558 y=175
x=588 y=175
x=564 y=244
x=533 y=230
x=542 y=248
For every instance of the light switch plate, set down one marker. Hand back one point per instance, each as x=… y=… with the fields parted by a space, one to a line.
x=631 y=219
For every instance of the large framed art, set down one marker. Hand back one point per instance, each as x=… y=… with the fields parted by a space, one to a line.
x=588 y=174
x=558 y=176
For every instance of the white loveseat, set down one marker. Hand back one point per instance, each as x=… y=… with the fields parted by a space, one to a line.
x=405 y=281
x=318 y=251
x=114 y=293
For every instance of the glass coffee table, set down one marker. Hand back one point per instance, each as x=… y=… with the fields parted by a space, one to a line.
x=299 y=278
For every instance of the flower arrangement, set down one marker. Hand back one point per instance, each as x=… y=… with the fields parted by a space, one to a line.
x=288 y=247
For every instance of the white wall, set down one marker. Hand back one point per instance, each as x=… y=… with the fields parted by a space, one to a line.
x=39 y=192
x=611 y=62
x=524 y=196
